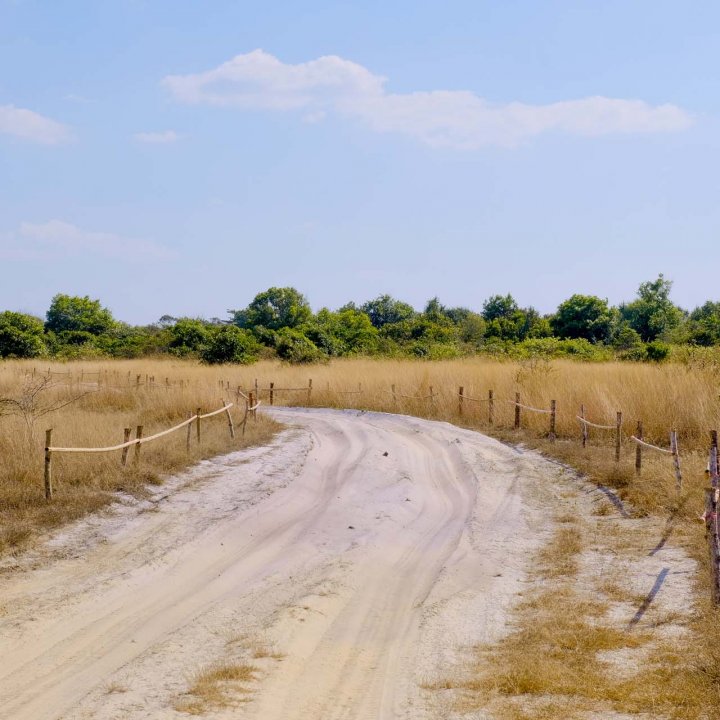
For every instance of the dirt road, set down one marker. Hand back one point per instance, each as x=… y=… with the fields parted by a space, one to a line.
x=349 y=562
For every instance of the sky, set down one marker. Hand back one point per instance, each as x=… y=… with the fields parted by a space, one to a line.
x=179 y=156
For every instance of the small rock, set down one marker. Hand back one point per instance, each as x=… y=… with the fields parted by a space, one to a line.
x=351 y=527
x=385 y=454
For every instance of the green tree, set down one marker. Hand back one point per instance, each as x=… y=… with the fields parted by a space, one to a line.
x=499 y=307
x=384 y=310
x=294 y=347
x=188 y=335
x=21 y=335
x=704 y=324
x=583 y=316
x=230 y=344
x=345 y=332
x=274 y=309
x=652 y=314
x=68 y=313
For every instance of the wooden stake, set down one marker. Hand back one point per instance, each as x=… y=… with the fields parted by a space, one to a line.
x=309 y=390
x=676 y=460
x=272 y=393
x=48 y=465
x=618 y=427
x=517 y=410
x=245 y=416
x=553 y=417
x=491 y=407
x=461 y=391
x=638 y=447
x=711 y=531
x=584 y=430
x=189 y=433
x=714 y=459
x=138 y=436
x=394 y=396
x=126 y=438
x=230 y=421
x=197 y=426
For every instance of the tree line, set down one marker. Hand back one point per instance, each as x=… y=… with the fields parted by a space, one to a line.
x=279 y=322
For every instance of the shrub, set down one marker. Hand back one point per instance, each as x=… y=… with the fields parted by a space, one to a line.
x=230 y=344
x=657 y=351
x=295 y=348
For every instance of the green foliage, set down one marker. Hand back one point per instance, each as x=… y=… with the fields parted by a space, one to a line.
x=584 y=316
x=230 y=344
x=21 y=335
x=296 y=348
x=653 y=314
x=657 y=351
x=188 y=336
x=274 y=309
x=68 y=313
x=704 y=325
x=346 y=332
x=552 y=347
x=385 y=310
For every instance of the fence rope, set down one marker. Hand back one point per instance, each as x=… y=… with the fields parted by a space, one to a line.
x=599 y=427
x=215 y=412
x=651 y=447
x=527 y=407
x=141 y=441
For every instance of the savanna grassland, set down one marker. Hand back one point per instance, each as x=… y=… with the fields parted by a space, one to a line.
x=548 y=666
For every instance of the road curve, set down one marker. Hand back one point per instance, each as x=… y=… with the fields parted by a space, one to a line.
x=366 y=549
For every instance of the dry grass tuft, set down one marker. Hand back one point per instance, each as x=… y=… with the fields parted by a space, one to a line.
x=215 y=687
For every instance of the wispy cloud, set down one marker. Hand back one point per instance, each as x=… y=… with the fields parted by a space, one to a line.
x=449 y=118
x=159 y=138
x=32 y=126
x=56 y=239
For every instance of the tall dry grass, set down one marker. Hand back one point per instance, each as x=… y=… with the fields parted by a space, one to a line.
x=89 y=406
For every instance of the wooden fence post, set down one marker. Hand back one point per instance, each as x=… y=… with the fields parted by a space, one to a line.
x=553 y=417
x=491 y=407
x=676 y=460
x=432 y=398
x=309 y=390
x=461 y=390
x=257 y=392
x=197 y=426
x=230 y=421
x=618 y=428
x=517 y=410
x=711 y=531
x=48 y=465
x=272 y=393
x=251 y=403
x=137 y=381
x=638 y=447
x=394 y=396
x=189 y=433
x=138 y=436
x=126 y=438
x=584 y=429
x=714 y=469
x=245 y=416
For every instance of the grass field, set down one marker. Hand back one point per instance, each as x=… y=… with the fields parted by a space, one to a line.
x=681 y=682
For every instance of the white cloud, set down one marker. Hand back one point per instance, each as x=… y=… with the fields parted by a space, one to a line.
x=56 y=239
x=459 y=119
x=32 y=126
x=159 y=138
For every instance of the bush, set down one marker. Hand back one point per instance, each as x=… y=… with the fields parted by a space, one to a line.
x=295 y=348
x=230 y=344
x=657 y=351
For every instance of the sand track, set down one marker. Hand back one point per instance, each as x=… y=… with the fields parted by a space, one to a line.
x=365 y=548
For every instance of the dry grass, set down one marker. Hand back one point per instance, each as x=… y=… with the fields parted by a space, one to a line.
x=84 y=483
x=551 y=665
x=216 y=687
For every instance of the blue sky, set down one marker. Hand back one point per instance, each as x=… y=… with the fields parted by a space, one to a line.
x=178 y=157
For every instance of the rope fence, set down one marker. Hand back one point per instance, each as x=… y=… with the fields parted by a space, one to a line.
x=135 y=442
x=250 y=398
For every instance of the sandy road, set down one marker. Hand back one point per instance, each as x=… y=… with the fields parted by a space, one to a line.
x=366 y=549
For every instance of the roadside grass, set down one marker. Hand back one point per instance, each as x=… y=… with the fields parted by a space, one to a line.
x=92 y=415
x=553 y=663
x=215 y=687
